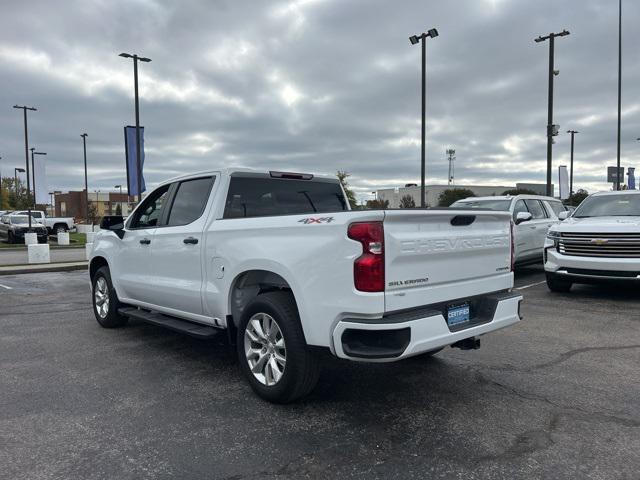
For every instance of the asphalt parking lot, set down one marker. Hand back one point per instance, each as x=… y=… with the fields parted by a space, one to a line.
x=556 y=396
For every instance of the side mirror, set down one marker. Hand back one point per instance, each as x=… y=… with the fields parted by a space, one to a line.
x=112 y=222
x=523 y=217
x=564 y=215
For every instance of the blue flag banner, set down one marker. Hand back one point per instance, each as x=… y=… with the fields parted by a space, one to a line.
x=132 y=164
x=631 y=183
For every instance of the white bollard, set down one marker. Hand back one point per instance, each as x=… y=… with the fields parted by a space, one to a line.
x=90 y=237
x=63 y=238
x=39 y=253
x=87 y=250
x=30 y=238
x=96 y=228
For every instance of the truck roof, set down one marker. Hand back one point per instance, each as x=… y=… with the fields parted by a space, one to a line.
x=509 y=197
x=619 y=192
x=231 y=170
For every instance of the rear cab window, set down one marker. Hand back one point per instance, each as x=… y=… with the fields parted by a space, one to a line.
x=556 y=207
x=261 y=196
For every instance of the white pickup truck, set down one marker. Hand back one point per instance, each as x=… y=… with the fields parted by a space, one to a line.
x=54 y=224
x=599 y=242
x=279 y=261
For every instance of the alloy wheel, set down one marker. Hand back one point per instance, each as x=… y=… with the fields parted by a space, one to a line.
x=265 y=349
x=101 y=297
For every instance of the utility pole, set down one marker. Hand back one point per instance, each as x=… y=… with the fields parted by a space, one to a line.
x=619 y=88
x=26 y=156
x=86 y=184
x=572 y=132
x=414 y=39
x=0 y=187
x=552 y=130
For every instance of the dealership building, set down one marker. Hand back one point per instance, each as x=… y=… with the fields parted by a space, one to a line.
x=432 y=192
x=73 y=204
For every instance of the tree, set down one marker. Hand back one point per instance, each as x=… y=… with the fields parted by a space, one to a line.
x=377 y=204
x=93 y=213
x=447 y=197
x=407 y=201
x=118 y=209
x=519 y=191
x=342 y=176
x=13 y=199
x=577 y=197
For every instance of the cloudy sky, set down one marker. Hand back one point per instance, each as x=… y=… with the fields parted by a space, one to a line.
x=318 y=85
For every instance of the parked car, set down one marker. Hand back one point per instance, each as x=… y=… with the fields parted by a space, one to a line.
x=599 y=242
x=279 y=261
x=54 y=224
x=532 y=216
x=13 y=228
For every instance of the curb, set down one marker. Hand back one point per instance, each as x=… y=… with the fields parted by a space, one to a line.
x=43 y=268
x=52 y=247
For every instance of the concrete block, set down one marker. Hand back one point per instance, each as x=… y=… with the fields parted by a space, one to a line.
x=63 y=238
x=87 y=250
x=90 y=237
x=39 y=253
x=30 y=238
x=96 y=228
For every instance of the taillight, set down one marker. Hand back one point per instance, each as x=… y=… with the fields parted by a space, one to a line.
x=513 y=248
x=368 y=268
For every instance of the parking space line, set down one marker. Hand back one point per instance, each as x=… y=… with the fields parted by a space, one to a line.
x=5 y=286
x=531 y=285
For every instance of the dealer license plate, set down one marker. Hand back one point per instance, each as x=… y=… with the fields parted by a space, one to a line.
x=457 y=315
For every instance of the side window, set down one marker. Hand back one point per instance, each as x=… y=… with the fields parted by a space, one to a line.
x=189 y=201
x=557 y=207
x=148 y=215
x=519 y=207
x=536 y=209
x=36 y=214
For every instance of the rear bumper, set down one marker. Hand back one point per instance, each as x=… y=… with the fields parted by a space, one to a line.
x=417 y=331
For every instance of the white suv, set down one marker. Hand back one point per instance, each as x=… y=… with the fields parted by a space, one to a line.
x=532 y=216
x=600 y=241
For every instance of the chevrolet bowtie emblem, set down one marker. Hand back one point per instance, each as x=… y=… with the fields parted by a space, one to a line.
x=599 y=241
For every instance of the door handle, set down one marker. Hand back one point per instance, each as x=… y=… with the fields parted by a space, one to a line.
x=190 y=241
x=145 y=241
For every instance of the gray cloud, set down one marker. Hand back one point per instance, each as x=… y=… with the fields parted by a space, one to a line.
x=317 y=86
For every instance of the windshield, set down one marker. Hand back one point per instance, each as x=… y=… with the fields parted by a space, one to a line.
x=15 y=219
x=498 y=205
x=609 y=205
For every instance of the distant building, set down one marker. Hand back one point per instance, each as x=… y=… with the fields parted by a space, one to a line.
x=72 y=204
x=432 y=192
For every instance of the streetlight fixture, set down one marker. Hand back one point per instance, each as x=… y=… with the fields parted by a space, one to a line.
x=414 y=39
x=572 y=132
x=15 y=182
x=33 y=171
x=552 y=130
x=86 y=185
x=136 y=58
x=26 y=154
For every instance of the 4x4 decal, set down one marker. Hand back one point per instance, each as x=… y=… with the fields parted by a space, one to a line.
x=309 y=220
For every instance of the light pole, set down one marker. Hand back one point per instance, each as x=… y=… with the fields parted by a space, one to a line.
x=572 y=132
x=136 y=58
x=15 y=182
x=0 y=187
x=33 y=171
x=619 y=88
x=552 y=130
x=414 y=39
x=26 y=154
x=86 y=185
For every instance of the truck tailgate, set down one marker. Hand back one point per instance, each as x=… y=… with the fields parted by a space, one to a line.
x=434 y=256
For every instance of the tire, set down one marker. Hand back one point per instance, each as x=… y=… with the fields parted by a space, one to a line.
x=108 y=316
x=59 y=229
x=557 y=285
x=10 y=238
x=290 y=370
